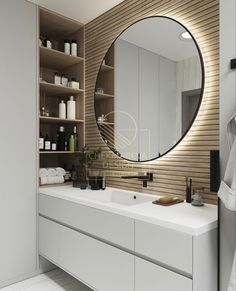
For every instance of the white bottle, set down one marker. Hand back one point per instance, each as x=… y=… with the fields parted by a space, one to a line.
x=64 y=81
x=66 y=47
x=62 y=109
x=57 y=79
x=74 y=48
x=71 y=108
x=48 y=44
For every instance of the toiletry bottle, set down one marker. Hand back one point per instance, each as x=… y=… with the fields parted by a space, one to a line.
x=54 y=145
x=64 y=80
x=57 y=79
x=188 y=190
x=103 y=183
x=47 y=143
x=48 y=43
x=41 y=142
x=62 y=109
x=74 y=48
x=67 y=46
x=61 y=138
x=71 y=108
x=66 y=146
x=76 y=141
x=71 y=143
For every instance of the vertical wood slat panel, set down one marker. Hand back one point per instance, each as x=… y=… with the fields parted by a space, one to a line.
x=191 y=157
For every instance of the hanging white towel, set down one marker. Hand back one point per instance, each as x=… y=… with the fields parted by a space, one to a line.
x=227 y=191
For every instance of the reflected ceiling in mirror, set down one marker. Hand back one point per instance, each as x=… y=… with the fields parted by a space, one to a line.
x=149 y=89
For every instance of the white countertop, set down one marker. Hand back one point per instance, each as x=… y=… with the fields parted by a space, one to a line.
x=181 y=217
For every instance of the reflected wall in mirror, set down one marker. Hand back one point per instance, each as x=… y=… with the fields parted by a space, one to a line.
x=149 y=89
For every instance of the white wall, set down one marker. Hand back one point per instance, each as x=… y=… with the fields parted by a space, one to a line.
x=18 y=146
x=227 y=108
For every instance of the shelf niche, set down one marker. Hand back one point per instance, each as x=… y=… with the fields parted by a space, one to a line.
x=57 y=28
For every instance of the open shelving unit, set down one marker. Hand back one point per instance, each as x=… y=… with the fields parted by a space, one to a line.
x=57 y=28
x=105 y=102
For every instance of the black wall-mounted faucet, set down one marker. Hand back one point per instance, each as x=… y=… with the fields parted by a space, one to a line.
x=148 y=177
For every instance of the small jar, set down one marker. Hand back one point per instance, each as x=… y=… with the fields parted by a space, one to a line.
x=197 y=197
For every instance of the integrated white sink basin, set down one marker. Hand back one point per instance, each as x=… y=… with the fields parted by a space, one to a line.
x=115 y=197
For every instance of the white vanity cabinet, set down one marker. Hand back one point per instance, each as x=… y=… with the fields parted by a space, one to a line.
x=117 y=252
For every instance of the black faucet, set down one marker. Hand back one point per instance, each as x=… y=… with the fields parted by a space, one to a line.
x=145 y=178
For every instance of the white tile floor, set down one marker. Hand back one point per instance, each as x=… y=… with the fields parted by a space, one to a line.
x=56 y=280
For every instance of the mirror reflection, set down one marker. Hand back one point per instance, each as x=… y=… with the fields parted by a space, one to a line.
x=148 y=89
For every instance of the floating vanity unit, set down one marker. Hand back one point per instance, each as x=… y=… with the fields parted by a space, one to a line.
x=118 y=240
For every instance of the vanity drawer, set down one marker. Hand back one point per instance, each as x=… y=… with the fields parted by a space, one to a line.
x=117 y=229
x=93 y=262
x=48 y=239
x=151 y=277
x=96 y=263
x=49 y=206
x=165 y=246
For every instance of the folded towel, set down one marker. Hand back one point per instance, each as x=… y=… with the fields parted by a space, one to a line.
x=43 y=180
x=43 y=172
x=59 y=179
x=52 y=172
x=51 y=180
x=60 y=172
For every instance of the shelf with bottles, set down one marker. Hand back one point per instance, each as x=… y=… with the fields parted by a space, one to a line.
x=56 y=29
x=61 y=139
x=66 y=81
x=54 y=109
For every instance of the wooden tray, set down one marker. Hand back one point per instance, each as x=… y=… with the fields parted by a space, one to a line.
x=176 y=201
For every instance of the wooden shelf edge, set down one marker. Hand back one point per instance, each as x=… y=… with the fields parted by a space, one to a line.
x=105 y=68
x=103 y=95
x=59 y=87
x=56 y=119
x=59 y=53
x=58 y=152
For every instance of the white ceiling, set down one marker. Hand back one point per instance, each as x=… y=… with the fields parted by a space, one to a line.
x=80 y=10
x=161 y=36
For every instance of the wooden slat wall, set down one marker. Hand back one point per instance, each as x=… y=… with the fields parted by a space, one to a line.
x=191 y=157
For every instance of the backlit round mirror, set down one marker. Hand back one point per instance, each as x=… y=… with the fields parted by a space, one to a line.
x=149 y=89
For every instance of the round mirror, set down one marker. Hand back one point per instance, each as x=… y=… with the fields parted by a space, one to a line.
x=149 y=89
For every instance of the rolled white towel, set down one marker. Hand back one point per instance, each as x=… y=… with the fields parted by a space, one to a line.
x=59 y=179
x=43 y=172
x=43 y=180
x=60 y=172
x=52 y=172
x=51 y=180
